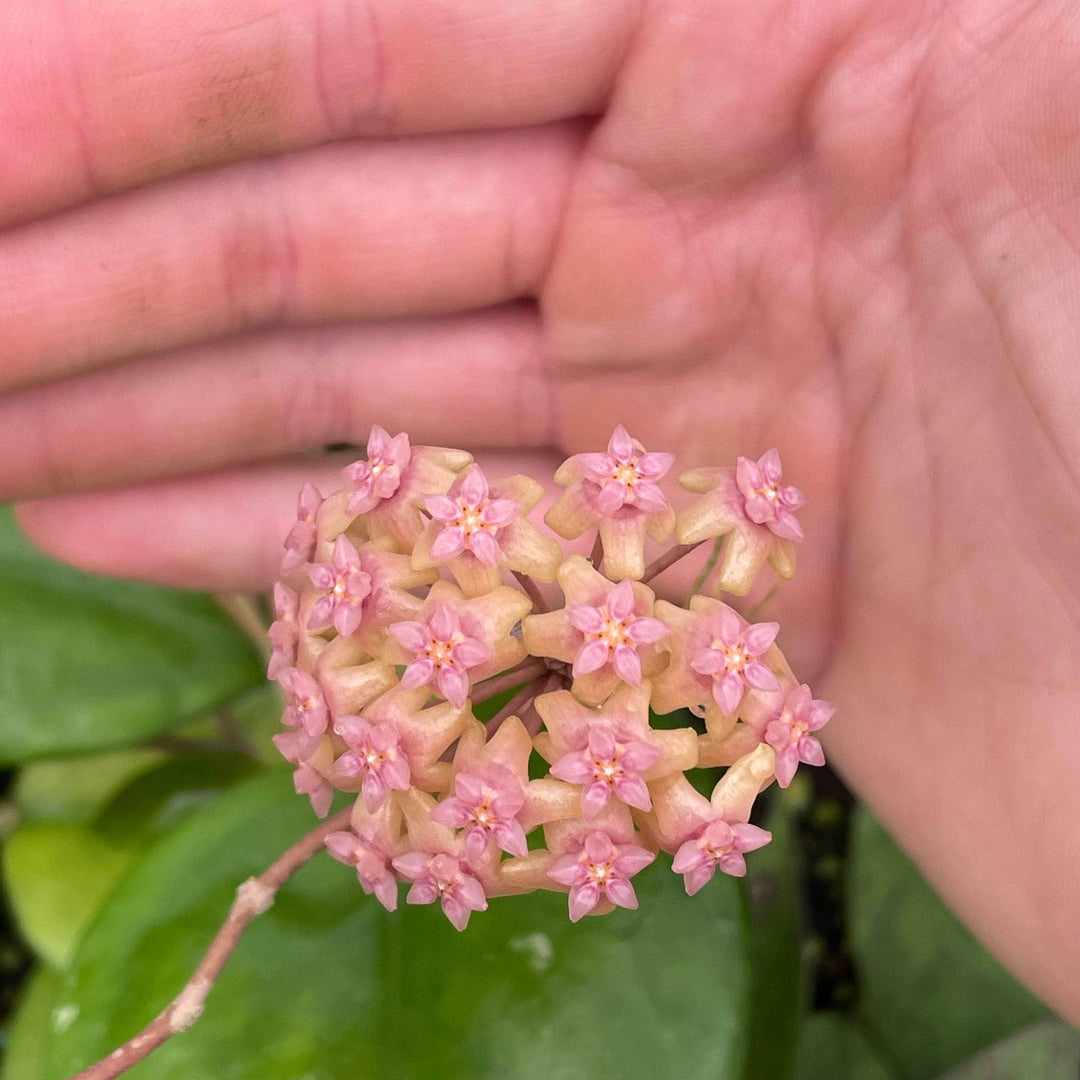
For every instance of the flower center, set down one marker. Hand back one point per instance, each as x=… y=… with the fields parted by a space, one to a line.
x=439 y=652
x=614 y=632
x=626 y=473
x=735 y=656
x=471 y=518
x=599 y=872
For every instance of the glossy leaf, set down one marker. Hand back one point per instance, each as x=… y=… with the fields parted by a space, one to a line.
x=934 y=994
x=328 y=986
x=1048 y=1050
x=773 y=890
x=89 y=663
x=75 y=789
x=33 y=1025
x=834 y=1047
x=56 y=876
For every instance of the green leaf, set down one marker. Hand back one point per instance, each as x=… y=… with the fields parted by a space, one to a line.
x=57 y=875
x=773 y=893
x=933 y=992
x=1048 y=1050
x=834 y=1047
x=160 y=798
x=32 y=1026
x=90 y=663
x=75 y=789
x=328 y=986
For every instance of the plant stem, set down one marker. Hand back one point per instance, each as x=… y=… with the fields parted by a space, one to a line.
x=669 y=558
x=597 y=555
x=532 y=590
x=523 y=673
x=710 y=565
x=253 y=897
x=752 y=613
x=244 y=611
x=519 y=702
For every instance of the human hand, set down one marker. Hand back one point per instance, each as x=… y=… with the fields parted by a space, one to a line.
x=847 y=230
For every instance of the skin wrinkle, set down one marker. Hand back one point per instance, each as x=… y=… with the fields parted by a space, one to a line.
x=258 y=253
x=78 y=116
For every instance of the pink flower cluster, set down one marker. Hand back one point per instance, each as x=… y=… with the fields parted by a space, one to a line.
x=422 y=588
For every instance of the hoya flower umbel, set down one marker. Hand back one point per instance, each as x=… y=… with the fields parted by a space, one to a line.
x=789 y=734
x=600 y=869
x=394 y=616
x=344 y=586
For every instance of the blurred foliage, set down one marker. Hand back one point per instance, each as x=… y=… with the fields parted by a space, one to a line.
x=154 y=791
x=88 y=663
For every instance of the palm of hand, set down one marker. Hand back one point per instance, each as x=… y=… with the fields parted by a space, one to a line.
x=848 y=233
x=879 y=275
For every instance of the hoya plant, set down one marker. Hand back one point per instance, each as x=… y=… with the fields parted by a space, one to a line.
x=422 y=589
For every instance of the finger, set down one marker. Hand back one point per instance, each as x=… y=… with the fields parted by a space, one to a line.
x=219 y=531
x=447 y=381
x=357 y=230
x=115 y=94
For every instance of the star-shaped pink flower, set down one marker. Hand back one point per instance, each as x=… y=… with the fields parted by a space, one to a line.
x=717 y=844
x=306 y=706
x=376 y=755
x=370 y=846
x=312 y=756
x=300 y=543
x=443 y=877
x=789 y=734
x=470 y=519
x=388 y=487
x=284 y=632
x=715 y=655
x=600 y=869
x=611 y=750
x=605 y=631
x=606 y=767
x=493 y=799
x=344 y=585
x=749 y=507
x=443 y=654
x=705 y=833
x=379 y=476
x=617 y=492
x=477 y=530
x=454 y=642
x=765 y=500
